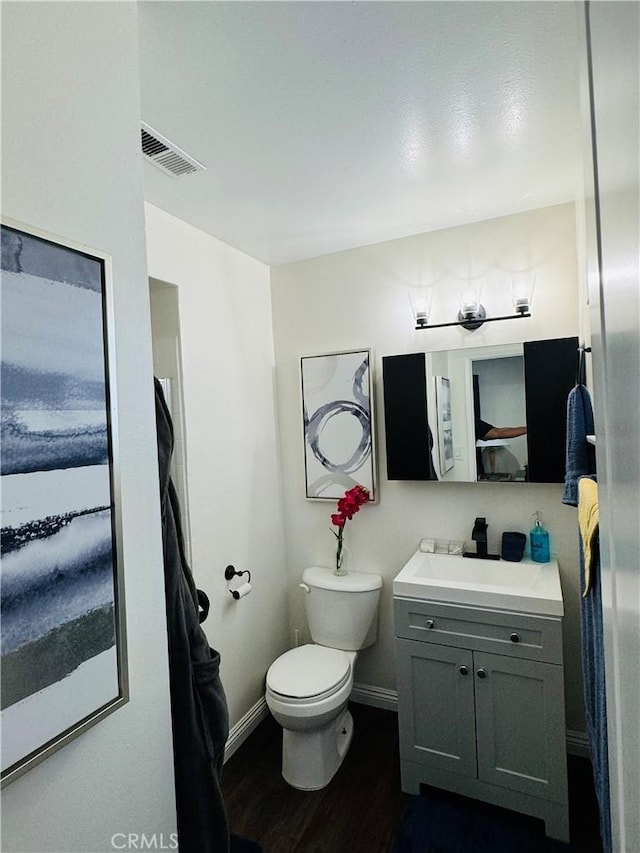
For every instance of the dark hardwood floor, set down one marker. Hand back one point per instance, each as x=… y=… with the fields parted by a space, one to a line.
x=362 y=807
x=359 y=810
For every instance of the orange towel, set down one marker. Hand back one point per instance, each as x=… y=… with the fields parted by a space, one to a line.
x=588 y=521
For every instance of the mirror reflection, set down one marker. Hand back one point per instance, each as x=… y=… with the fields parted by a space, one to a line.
x=500 y=418
x=478 y=407
x=495 y=413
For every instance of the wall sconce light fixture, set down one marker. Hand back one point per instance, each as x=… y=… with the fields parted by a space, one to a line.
x=522 y=284
x=472 y=313
x=421 y=299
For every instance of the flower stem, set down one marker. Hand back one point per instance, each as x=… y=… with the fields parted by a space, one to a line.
x=339 y=549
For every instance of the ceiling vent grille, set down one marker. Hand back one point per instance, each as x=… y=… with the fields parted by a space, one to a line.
x=167 y=156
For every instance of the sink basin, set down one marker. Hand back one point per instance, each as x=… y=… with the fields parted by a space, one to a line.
x=526 y=586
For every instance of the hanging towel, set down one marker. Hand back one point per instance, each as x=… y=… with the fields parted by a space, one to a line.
x=593 y=664
x=588 y=521
x=580 y=455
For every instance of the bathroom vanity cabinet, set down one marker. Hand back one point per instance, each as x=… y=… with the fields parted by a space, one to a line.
x=481 y=706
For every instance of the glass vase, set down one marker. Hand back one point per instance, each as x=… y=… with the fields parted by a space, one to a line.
x=341 y=563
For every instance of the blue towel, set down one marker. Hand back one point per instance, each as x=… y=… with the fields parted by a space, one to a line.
x=580 y=456
x=595 y=697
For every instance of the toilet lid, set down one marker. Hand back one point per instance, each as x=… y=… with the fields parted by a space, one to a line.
x=309 y=671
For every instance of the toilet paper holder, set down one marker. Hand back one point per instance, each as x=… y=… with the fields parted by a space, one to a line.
x=245 y=588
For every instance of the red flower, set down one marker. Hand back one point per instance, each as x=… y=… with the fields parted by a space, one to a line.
x=358 y=495
x=348 y=506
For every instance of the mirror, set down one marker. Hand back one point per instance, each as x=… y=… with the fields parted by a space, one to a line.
x=495 y=413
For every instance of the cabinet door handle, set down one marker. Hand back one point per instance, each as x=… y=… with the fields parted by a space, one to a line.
x=481 y=673
x=464 y=670
x=431 y=623
x=515 y=638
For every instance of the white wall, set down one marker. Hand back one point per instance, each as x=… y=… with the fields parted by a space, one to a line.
x=231 y=447
x=71 y=166
x=359 y=299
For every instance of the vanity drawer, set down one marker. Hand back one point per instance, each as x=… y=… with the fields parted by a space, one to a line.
x=501 y=632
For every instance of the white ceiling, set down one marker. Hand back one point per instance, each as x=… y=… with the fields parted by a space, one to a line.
x=330 y=125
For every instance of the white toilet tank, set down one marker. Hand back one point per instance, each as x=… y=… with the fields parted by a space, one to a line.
x=342 y=609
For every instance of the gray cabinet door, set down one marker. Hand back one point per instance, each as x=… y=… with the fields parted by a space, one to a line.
x=520 y=725
x=436 y=713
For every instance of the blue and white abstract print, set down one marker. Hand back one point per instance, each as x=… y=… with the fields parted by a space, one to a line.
x=338 y=428
x=57 y=594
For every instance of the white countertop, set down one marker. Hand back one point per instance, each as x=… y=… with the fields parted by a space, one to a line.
x=526 y=586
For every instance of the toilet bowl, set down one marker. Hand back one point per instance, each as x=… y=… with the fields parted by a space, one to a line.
x=307 y=693
x=308 y=687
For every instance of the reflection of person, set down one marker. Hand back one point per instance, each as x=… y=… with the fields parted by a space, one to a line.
x=488 y=432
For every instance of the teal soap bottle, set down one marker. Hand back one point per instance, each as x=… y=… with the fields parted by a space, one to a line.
x=539 y=541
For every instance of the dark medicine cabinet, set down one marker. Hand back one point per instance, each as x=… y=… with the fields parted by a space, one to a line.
x=414 y=421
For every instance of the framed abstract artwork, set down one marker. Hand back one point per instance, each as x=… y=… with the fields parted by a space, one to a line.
x=339 y=446
x=445 y=433
x=62 y=632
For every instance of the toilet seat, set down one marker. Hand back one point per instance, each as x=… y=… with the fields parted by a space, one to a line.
x=308 y=673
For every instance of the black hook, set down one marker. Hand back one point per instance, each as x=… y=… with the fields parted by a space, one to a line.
x=581 y=376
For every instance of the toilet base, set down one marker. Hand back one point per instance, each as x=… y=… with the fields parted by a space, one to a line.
x=310 y=759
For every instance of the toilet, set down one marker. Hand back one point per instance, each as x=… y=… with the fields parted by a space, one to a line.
x=308 y=687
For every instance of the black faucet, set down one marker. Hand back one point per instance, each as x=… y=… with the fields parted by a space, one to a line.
x=479 y=536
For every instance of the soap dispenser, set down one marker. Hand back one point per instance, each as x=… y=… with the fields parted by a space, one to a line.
x=539 y=539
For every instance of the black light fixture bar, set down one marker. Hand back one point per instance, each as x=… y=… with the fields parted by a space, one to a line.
x=472 y=320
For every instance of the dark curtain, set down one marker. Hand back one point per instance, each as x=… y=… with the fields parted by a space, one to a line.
x=199 y=712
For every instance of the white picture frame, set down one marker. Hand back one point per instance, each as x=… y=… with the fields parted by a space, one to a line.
x=445 y=431
x=338 y=423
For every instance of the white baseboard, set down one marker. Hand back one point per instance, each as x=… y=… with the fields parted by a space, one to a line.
x=365 y=694
x=378 y=697
x=243 y=728
x=578 y=744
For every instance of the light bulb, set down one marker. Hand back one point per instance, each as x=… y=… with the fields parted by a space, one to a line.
x=421 y=299
x=522 y=284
